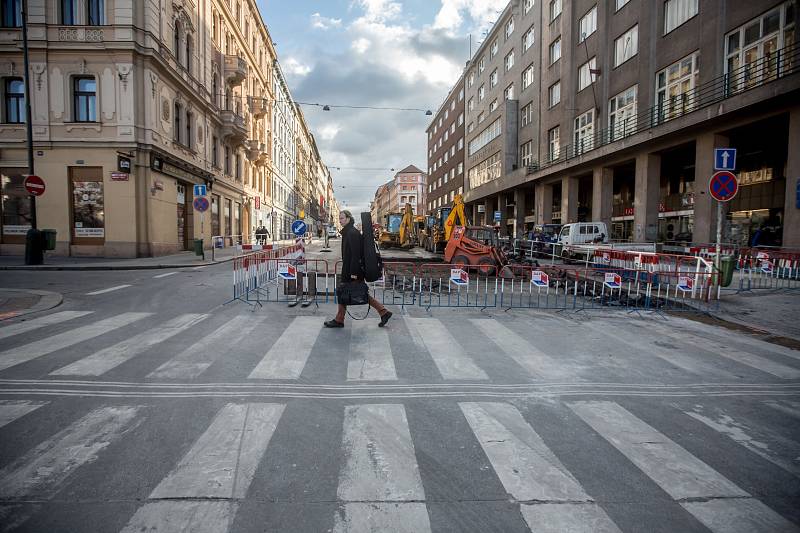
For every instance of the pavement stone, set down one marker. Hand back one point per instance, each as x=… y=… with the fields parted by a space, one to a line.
x=17 y=302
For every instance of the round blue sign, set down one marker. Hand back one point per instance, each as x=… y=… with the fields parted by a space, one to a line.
x=200 y=203
x=299 y=228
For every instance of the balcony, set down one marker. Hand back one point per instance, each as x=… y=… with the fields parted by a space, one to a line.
x=235 y=70
x=258 y=106
x=234 y=127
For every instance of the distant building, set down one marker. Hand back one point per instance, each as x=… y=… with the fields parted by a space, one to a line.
x=409 y=187
x=446 y=150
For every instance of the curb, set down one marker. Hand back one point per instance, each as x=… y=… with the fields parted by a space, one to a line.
x=47 y=301
x=51 y=268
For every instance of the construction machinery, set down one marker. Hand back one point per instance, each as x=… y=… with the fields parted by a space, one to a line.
x=440 y=227
x=399 y=229
x=476 y=246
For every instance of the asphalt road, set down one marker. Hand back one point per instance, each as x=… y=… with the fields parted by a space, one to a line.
x=143 y=403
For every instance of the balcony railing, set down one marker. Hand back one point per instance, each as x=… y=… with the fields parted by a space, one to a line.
x=235 y=69
x=258 y=106
x=234 y=127
x=782 y=63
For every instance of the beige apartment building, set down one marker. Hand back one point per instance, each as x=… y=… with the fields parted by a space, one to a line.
x=134 y=102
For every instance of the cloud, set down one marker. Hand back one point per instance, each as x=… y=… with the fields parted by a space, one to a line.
x=379 y=11
x=294 y=68
x=324 y=23
x=481 y=13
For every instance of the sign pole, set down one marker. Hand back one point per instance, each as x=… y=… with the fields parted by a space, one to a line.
x=203 y=233
x=718 y=259
x=28 y=124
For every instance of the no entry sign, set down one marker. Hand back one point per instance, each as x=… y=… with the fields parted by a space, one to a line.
x=34 y=185
x=723 y=186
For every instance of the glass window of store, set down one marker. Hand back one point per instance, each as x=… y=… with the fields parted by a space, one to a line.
x=215 y=214
x=227 y=214
x=15 y=206
x=237 y=218
x=88 y=205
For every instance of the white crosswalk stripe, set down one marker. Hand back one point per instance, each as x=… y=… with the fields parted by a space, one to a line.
x=37 y=323
x=288 y=356
x=195 y=359
x=10 y=410
x=101 y=362
x=219 y=467
x=370 y=354
x=41 y=471
x=33 y=350
x=524 y=353
x=445 y=350
x=380 y=484
x=679 y=473
x=110 y=289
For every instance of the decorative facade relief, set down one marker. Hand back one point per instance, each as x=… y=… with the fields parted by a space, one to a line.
x=57 y=96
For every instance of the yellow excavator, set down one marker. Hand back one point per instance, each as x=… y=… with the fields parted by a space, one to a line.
x=399 y=230
x=440 y=227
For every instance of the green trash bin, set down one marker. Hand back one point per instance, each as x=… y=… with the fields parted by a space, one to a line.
x=198 y=246
x=48 y=239
x=726 y=266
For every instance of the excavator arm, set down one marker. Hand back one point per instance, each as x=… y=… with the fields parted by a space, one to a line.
x=456 y=218
x=406 y=225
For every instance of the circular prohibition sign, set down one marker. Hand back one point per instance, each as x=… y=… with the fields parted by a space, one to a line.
x=200 y=203
x=723 y=186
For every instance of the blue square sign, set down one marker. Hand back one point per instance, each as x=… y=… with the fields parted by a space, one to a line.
x=199 y=190
x=724 y=158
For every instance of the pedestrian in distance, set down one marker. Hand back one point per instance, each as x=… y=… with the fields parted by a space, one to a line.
x=353 y=269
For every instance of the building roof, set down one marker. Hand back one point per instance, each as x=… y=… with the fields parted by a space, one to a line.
x=411 y=169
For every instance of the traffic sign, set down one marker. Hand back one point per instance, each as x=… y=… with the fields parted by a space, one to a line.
x=287 y=270
x=724 y=158
x=612 y=280
x=299 y=228
x=34 y=185
x=200 y=203
x=540 y=279
x=723 y=186
x=199 y=190
x=459 y=277
x=685 y=283
x=497 y=216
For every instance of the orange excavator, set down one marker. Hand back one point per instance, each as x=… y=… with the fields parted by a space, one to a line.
x=476 y=246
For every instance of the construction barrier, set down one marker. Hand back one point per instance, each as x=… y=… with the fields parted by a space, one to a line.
x=772 y=269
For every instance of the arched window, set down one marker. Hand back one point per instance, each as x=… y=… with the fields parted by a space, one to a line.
x=176 y=120
x=176 y=44
x=189 y=53
x=215 y=89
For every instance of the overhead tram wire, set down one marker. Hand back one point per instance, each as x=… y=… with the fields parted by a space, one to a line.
x=327 y=107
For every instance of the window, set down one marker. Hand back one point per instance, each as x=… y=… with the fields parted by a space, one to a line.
x=493 y=105
x=621 y=3
x=461 y=119
x=527 y=77
x=14 y=108
x=11 y=13
x=526 y=154
x=586 y=76
x=481 y=93
x=85 y=99
x=674 y=88
x=176 y=122
x=554 y=94
x=94 y=12
x=526 y=115
x=470 y=127
x=509 y=62
x=495 y=47
x=626 y=46
x=214 y=154
x=187 y=140
x=553 y=145
x=493 y=77
x=622 y=114
x=88 y=214
x=460 y=169
x=460 y=94
x=584 y=132
x=555 y=50
x=588 y=24
x=480 y=117
x=752 y=50
x=176 y=41
x=228 y=160
x=471 y=105
x=528 y=39
x=15 y=205
x=555 y=9
x=508 y=94
x=490 y=133
x=69 y=12
x=481 y=65
x=485 y=171
x=461 y=143
x=676 y=12
x=527 y=6
x=509 y=27
x=188 y=58
x=470 y=80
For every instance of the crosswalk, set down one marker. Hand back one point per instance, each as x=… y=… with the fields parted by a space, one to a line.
x=384 y=477
x=140 y=345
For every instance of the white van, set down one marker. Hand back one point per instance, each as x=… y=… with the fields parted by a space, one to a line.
x=583 y=233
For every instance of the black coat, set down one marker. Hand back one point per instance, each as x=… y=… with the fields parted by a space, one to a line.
x=352 y=253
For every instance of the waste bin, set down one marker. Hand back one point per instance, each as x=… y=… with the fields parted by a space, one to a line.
x=49 y=239
x=726 y=265
x=198 y=246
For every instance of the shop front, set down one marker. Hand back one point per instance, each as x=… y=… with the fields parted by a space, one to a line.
x=15 y=206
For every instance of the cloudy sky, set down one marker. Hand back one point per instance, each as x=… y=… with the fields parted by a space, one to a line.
x=383 y=53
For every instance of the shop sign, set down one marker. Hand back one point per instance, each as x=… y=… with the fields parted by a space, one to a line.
x=119 y=176
x=15 y=229
x=157 y=163
x=88 y=214
x=124 y=164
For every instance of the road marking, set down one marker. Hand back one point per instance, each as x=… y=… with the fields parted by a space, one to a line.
x=10 y=410
x=288 y=356
x=524 y=353
x=523 y=462
x=220 y=466
x=28 y=352
x=560 y=517
x=101 y=362
x=195 y=359
x=49 y=320
x=787 y=407
x=380 y=468
x=165 y=275
x=41 y=471
x=110 y=289
x=450 y=357
x=738 y=516
x=370 y=354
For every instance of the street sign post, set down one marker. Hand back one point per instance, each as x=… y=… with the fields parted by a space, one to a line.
x=723 y=186
x=497 y=216
x=199 y=190
x=34 y=185
x=299 y=228
x=200 y=203
x=724 y=158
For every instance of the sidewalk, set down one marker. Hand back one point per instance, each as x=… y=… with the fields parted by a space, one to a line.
x=18 y=302
x=181 y=260
x=772 y=313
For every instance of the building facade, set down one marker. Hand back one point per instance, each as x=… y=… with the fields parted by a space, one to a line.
x=619 y=116
x=446 y=150
x=409 y=187
x=134 y=103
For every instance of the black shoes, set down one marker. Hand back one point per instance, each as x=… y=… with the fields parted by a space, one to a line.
x=333 y=323
x=385 y=318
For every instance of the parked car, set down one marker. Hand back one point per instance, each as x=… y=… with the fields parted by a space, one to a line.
x=332 y=232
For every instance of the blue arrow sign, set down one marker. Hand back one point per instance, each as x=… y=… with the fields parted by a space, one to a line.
x=199 y=190
x=724 y=158
x=299 y=228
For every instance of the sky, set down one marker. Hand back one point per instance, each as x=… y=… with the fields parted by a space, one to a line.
x=381 y=53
